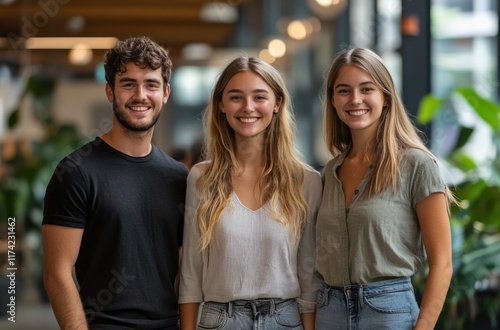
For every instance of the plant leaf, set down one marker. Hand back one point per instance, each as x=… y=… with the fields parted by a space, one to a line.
x=486 y=208
x=429 y=106
x=486 y=109
x=463 y=137
x=13 y=118
x=482 y=255
x=471 y=190
x=462 y=161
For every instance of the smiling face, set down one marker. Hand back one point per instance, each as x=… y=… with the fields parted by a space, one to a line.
x=248 y=103
x=357 y=99
x=138 y=97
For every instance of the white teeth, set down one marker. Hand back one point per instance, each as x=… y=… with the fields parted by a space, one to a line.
x=139 y=108
x=358 y=112
x=248 y=120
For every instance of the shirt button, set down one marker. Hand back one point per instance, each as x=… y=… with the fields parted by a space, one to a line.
x=356 y=191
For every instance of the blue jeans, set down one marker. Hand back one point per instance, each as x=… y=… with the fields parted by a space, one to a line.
x=262 y=314
x=384 y=305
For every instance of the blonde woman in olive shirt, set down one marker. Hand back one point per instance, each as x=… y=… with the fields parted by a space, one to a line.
x=249 y=239
x=384 y=207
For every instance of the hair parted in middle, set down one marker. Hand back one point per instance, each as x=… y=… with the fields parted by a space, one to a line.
x=395 y=133
x=283 y=174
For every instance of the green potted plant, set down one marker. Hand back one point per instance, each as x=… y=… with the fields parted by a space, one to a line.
x=26 y=173
x=474 y=294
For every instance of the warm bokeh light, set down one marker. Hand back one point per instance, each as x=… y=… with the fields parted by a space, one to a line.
x=266 y=56
x=315 y=24
x=327 y=9
x=326 y=3
x=81 y=54
x=277 y=48
x=70 y=43
x=297 y=30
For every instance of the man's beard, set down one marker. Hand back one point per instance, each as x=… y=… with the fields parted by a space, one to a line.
x=122 y=119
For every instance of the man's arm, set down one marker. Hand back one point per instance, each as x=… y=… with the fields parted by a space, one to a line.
x=178 y=276
x=60 y=251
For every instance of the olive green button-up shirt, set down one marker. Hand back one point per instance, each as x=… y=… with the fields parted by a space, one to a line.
x=377 y=238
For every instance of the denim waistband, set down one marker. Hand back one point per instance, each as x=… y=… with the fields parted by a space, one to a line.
x=355 y=291
x=258 y=306
x=397 y=284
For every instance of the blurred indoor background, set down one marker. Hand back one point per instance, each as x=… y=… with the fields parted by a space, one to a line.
x=443 y=55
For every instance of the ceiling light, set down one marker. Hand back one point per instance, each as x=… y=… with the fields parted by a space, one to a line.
x=219 y=12
x=197 y=51
x=327 y=9
x=70 y=43
x=326 y=3
x=76 y=23
x=277 y=48
x=81 y=54
x=297 y=30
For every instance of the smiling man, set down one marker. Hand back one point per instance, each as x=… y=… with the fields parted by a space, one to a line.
x=113 y=208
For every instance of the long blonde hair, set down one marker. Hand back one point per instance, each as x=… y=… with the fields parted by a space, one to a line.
x=283 y=174
x=395 y=132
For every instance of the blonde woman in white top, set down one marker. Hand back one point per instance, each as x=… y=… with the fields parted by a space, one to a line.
x=249 y=243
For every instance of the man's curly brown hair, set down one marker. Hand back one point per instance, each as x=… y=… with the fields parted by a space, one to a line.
x=143 y=52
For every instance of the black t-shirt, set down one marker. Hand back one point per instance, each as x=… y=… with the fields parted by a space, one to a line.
x=131 y=210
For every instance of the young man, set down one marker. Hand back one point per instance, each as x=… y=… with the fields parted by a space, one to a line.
x=113 y=208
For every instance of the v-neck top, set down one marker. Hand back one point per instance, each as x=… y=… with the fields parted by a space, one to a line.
x=376 y=238
x=251 y=256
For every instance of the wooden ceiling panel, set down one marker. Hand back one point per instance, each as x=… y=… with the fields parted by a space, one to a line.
x=172 y=23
